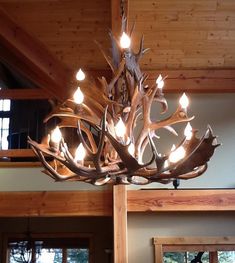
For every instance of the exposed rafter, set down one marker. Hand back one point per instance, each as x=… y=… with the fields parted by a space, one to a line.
x=27 y=55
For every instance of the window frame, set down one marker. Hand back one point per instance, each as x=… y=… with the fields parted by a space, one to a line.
x=197 y=243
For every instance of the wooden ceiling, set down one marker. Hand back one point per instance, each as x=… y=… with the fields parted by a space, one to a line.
x=183 y=35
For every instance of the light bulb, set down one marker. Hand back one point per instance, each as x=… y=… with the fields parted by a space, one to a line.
x=131 y=149
x=78 y=96
x=160 y=82
x=177 y=155
x=120 y=128
x=80 y=75
x=56 y=135
x=184 y=102
x=80 y=153
x=173 y=148
x=125 y=41
x=188 y=131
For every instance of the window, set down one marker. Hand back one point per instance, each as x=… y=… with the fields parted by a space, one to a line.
x=194 y=249
x=5 y=107
x=49 y=248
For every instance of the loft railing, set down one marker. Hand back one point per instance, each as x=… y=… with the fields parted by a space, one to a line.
x=24 y=117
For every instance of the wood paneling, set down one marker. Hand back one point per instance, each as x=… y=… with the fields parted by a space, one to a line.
x=67 y=28
x=79 y=203
x=196 y=81
x=186 y=34
x=180 y=200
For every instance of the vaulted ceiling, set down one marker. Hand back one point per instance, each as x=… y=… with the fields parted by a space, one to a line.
x=194 y=39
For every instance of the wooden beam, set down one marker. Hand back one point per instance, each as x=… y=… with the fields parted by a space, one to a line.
x=120 y=223
x=79 y=203
x=27 y=55
x=17 y=153
x=24 y=94
x=180 y=200
x=191 y=80
x=196 y=81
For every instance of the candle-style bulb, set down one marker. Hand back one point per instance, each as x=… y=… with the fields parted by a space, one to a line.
x=80 y=153
x=188 y=131
x=160 y=82
x=80 y=76
x=120 y=129
x=131 y=149
x=184 y=101
x=56 y=135
x=177 y=155
x=78 y=96
x=125 y=41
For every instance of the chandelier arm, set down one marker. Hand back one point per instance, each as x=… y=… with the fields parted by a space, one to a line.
x=135 y=101
x=116 y=76
x=52 y=172
x=90 y=137
x=195 y=173
x=107 y=57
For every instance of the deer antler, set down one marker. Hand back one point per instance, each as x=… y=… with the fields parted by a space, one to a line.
x=109 y=157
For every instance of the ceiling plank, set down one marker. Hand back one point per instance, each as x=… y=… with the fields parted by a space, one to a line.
x=27 y=55
x=175 y=200
x=189 y=80
x=70 y=203
x=24 y=94
x=196 y=81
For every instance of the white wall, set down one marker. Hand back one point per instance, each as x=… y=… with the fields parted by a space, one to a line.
x=143 y=227
x=218 y=110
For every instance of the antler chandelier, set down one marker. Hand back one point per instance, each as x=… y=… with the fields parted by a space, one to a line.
x=107 y=117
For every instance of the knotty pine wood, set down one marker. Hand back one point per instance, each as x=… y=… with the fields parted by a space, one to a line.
x=79 y=203
x=196 y=81
x=180 y=200
x=67 y=28
x=120 y=223
x=186 y=34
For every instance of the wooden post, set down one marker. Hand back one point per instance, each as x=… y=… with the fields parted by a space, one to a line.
x=120 y=223
x=213 y=257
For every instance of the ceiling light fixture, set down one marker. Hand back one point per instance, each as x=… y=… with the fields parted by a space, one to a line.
x=106 y=117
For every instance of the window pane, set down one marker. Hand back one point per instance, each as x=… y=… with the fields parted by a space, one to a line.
x=1 y=105
x=4 y=142
x=5 y=124
x=1 y=120
x=6 y=105
x=52 y=255
x=174 y=257
x=77 y=255
x=226 y=256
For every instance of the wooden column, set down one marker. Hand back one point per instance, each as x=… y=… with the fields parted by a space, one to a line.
x=213 y=257
x=120 y=223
